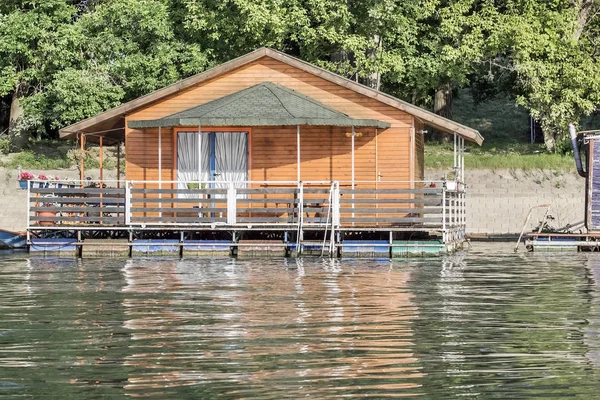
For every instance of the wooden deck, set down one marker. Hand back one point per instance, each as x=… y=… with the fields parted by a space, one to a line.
x=330 y=209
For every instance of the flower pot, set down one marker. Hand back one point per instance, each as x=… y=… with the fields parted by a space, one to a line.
x=46 y=214
x=23 y=184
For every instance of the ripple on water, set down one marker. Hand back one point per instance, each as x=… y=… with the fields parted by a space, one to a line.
x=485 y=324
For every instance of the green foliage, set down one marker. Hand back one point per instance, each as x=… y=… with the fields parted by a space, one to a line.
x=29 y=159
x=70 y=60
x=551 y=47
x=4 y=145
x=77 y=94
x=31 y=51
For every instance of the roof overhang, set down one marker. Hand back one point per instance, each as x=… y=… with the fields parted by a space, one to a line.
x=111 y=118
x=166 y=122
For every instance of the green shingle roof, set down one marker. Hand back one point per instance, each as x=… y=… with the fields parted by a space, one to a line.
x=265 y=104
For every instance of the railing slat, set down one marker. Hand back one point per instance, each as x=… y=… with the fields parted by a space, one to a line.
x=181 y=191
x=167 y=219
x=391 y=220
x=81 y=219
x=391 y=191
x=357 y=210
x=77 y=191
x=228 y=205
x=69 y=210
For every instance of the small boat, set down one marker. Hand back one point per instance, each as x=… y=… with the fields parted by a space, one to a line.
x=12 y=240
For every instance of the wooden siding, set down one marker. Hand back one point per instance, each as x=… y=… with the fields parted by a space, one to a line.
x=142 y=155
x=273 y=150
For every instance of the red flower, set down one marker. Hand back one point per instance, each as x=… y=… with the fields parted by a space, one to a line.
x=26 y=176
x=42 y=177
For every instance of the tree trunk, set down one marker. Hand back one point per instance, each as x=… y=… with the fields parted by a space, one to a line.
x=18 y=136
x=442 y=105
x=549 y=139
x=373 y=80
x=583 y=16
x=443 y=101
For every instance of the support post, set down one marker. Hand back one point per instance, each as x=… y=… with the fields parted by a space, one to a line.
x=462 y=161
x=101 y=156
x=353 y=133
x=160 y=170
x=444 y=213
x=298 y=151
x=300 y=233
x=101 y=161
x=199 y=164
x=81 y=162
x=455 y=156
x=335 y=203
x=127 y=203
x=231 y=204
x=118 y=165
x=28 y=209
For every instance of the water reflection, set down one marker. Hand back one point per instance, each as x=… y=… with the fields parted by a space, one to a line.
x=486 y=324
x=282 y=327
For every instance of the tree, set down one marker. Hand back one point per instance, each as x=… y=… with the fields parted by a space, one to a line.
x=552 y=49
x=117 y=50
x=29 y=31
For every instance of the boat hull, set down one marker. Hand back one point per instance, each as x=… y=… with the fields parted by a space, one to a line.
x=12 y=240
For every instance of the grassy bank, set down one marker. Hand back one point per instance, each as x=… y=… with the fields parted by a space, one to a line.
x=55 y=154
x=504 y=126
x=518 y=157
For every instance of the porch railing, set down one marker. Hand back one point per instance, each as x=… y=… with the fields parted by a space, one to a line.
x=436 y=205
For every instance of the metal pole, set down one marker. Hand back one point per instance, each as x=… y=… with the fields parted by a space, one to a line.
x=455 y=157
x=101 y=172
x=462 y=162
x=199 y=163
x=28 y=208
x=444 y=213
x=298 y=151
x=127 y=203
x=199 y=153
x=160 y=169
x=353 y=133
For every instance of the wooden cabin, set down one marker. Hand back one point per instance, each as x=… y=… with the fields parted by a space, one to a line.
x=268 y=141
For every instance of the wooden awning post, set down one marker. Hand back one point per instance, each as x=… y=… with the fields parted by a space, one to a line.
x=118 y=165
x=101 y=161
x=81 y=161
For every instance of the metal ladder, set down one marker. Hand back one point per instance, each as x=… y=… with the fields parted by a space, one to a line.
x=327 y=222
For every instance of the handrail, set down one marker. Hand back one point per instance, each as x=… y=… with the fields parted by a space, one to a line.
x=301 y=206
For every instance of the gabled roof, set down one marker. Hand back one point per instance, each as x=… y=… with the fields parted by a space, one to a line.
x=112 y=119
x=264 y=104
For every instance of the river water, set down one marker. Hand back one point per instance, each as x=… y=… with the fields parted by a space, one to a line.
x=484 y=324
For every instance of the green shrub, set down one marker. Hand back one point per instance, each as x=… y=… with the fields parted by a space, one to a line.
x=4 y=145
x=28 y=159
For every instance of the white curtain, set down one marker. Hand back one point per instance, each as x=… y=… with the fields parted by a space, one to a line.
x=192 y=148
x=231 y=153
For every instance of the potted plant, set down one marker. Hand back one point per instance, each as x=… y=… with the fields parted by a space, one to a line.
x=48 y=213
x=23 y=178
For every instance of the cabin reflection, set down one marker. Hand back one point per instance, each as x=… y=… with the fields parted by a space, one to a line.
x=237 y=324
